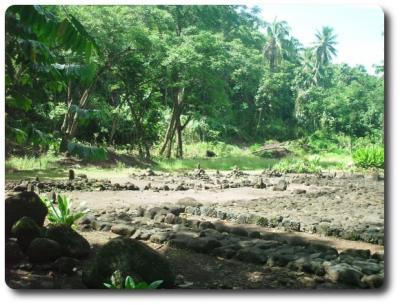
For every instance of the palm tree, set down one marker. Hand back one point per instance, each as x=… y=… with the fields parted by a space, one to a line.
x=324 y=46
x=277 y=41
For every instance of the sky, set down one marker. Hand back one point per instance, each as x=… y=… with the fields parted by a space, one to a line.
x=359 y=28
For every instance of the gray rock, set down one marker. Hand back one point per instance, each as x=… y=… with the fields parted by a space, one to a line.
x=299 y=191
x=280 y=186
x=159 y=237
x=206 y=225
x=220 y=226
x=203 y=244
x=373 y=280
x=367 y=267
x=343 y=273
x=254 y=234
x=171 y=218
x=252 y=255
x=238 y=231
x=86 y=219
x=122 y=229
x=225 y=251
x=43 y=250
x=357 y=253
x=188 y=201
x=211 y=233
x=159 y=218
x=130 y=257
x=152 y=212
x=275 y=260
x=179 y=243
x=305 y=264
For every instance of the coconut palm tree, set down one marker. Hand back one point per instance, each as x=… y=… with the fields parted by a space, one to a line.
x=324 y=46
x=277 y=41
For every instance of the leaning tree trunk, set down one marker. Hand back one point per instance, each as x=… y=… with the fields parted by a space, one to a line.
x=166 y=148
x=179 y=148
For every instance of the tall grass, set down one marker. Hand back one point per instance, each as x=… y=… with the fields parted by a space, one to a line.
x=42 y=162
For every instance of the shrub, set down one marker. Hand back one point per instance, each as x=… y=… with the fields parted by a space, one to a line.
x=62 y=212
x=86 y=152
x=369 y=157
x=117 y=282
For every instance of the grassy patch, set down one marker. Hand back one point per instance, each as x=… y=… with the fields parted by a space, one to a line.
x=43 y=162
x=220 y=163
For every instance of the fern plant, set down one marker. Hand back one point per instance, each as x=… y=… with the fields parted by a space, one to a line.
x=61 y=213
x=369 y=157
x=117 y=282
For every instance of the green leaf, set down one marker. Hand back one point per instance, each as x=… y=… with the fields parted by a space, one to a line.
x=155 y=284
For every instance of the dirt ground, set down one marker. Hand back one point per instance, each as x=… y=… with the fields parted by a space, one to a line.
x=315 y=204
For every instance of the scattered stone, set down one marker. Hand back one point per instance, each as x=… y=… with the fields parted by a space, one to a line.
x=171 y=218
x=252 y=255
x=254 y=234
x=373 y=281
x=367 y=267
x=43 y=250
x=238 y=231
x=159 y=237
x=181 y=187
x=87 y=220
x=280 y=186
x=130 y=257
x=357 y=253
x=299 y=191
x=203 y=244
x=206 y=225
x=122 y=229
x=343 y=273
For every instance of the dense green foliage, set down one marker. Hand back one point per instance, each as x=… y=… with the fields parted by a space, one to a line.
x=80 y=79
x=371 y=156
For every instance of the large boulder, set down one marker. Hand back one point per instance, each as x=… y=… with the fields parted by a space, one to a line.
x=72 y=243
x=130 y=257
x=13 y=253
x=42 y=250
x=24 y=204
x=25 y=230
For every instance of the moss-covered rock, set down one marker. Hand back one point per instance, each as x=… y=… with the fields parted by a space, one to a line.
x=72 y=243
x=25 y=230
x=24 y=204
x=130 y=257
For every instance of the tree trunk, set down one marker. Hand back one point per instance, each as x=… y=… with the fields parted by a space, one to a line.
x=112 y=132
x=179 y=148
x=166 y=148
